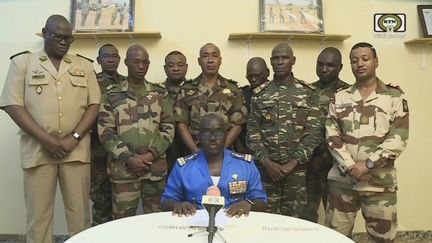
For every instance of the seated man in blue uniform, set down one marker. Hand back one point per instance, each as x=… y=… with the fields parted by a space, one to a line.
x=234 y=174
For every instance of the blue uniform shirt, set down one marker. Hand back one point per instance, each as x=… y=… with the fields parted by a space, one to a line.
x=191 y=177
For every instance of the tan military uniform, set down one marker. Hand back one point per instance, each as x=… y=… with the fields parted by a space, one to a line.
x=56 y=100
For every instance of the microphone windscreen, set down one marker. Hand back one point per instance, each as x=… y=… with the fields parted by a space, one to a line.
x=213 y=191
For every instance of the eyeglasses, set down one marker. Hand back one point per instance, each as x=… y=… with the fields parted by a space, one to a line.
x=58 y=38
x=206 y=134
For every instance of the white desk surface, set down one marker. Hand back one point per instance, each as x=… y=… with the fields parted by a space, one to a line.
x=165 y=228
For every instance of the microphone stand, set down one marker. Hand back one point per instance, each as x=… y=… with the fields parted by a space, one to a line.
x=204 y=229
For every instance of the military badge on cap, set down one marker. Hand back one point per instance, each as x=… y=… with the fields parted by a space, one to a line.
x=237 y=187
x=226 y=91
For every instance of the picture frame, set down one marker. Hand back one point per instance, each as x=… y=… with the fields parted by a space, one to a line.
x=425 y=15
x=304 y=16
x=102 y=15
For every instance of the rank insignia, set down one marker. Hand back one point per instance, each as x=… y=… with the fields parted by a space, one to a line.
x=226 y=91
x=234 y=176
x=43 y=58
x=39 y=89
x=268 y=116
x=364 y=120
x=77 y=73
x=190 y=92
x=67 y=60
x=237 y=187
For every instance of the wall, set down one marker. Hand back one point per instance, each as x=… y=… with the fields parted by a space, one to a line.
x=187 y=25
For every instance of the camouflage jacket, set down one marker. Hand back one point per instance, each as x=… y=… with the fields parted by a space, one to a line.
x=284 y=122
x=106 y=84
x=325 y=92
x=134 y=120
x=375 y=129
x=195 y=100
x=172 y=90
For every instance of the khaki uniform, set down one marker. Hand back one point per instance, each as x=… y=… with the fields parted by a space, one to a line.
x=56 y=100
x=374 y=129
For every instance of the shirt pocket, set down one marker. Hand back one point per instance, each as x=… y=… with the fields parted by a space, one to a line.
x=267 y=111
x=300 y=114
x=37 y=83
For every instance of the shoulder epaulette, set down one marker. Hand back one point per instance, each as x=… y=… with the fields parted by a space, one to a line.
x=304 y=83
x=23 y=52
x=88 y=59
x=395 y=87
x=183 y=160
x=260 y=87
x=157 y=85
x=232 y=81
x=245 y=157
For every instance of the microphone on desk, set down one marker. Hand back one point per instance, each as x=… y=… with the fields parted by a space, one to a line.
x=212 y=202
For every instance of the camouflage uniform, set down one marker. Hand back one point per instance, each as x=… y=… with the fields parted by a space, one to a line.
x=177 y=148
x=284 y=125
x=316 y=177
x=374 y=129
x=136 y=120
x=195 y=100
x=100 y=188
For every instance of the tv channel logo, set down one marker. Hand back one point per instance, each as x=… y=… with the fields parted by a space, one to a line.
x=389 y=22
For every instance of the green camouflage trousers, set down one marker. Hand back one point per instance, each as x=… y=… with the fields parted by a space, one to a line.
x=126 y=197
x=287 y=196
x=316 y=190
x=100 y=188
x=378 y=209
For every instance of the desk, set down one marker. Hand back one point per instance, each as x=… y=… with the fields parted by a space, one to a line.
x=164 y=228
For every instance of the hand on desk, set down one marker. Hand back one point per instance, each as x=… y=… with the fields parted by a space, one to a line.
x=184 y=208
x=238 y=209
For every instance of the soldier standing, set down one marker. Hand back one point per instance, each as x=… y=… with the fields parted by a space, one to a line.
x=175 y=69
x=136 y=126
x=209 y=92
x=100 y=190
x=54 y=98
x=328 y=67
x=367 y=130
x=283 y=131
x=257 y=73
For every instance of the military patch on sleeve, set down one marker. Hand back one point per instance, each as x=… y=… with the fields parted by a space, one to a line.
x=245 y=157
x=183 y=160
x=20 y=53
x=405 y=105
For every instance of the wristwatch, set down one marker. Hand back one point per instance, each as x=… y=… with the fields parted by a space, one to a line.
x=76 y=135
x=370 y=164
x=250 y=202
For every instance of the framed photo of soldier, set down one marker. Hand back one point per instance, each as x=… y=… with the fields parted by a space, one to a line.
x=425 y=14
x=304 y=16
x=102 y=15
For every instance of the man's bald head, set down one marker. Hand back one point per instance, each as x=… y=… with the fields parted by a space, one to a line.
x=257 y=71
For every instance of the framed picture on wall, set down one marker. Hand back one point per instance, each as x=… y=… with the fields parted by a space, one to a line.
x=102 y=15
x=425 y=14
x=291 y=16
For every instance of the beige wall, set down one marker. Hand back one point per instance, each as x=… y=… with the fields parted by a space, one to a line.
x=187 y=25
